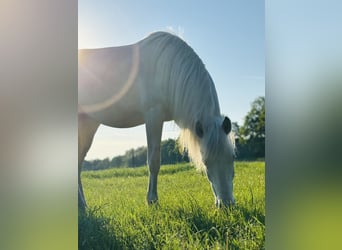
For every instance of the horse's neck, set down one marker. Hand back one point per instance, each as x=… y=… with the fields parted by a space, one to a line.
x=190 y=124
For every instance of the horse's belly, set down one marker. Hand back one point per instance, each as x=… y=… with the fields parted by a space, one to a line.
x=124 y=120
x=121 y=115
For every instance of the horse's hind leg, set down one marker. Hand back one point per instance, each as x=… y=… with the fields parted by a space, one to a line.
x=154 y=126
x=86 y=130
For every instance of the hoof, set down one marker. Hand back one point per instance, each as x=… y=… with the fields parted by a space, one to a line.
x=224 y=204
x=152 y=202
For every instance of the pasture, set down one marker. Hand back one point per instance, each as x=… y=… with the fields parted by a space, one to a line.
x=185 y=217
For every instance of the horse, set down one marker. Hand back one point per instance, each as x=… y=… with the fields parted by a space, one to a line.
x=160 y=78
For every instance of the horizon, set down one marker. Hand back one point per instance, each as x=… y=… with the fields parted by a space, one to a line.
x=164 y=138
x=230 y=43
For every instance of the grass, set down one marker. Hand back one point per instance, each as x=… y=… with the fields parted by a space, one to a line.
x=185 y=217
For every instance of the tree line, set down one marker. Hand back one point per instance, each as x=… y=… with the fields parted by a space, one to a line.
x=249 y=141
x=170 y=154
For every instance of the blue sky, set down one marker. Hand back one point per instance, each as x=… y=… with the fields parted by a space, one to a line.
x=227 y=35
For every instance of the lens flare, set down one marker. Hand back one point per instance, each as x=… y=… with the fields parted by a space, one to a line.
x=92 y=77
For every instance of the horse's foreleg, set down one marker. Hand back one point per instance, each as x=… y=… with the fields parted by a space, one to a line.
x=154 y=126
x=86 y=130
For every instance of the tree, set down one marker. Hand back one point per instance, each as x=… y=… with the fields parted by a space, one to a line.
x=235 y=128
x=137 y=157
x=252 y=133
x=117 y=161
x=170 y=153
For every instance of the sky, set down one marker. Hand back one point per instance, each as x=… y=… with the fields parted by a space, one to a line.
x=229 y=37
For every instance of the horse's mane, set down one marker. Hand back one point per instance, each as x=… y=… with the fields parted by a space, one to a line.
x=191 y=95
x=214 y=143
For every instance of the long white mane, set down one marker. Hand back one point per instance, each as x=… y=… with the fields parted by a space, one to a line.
x=190 y=94
x=214 y=143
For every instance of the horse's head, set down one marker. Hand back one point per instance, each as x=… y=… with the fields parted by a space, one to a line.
x=217 y=152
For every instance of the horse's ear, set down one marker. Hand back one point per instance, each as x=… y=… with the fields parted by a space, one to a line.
x=199 y=129
x=226 y=125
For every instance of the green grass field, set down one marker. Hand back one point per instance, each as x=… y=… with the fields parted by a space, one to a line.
x=185 y=218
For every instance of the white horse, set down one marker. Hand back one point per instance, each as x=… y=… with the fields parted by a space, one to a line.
x=157 y=79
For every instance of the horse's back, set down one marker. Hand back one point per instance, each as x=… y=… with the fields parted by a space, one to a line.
x=118 y=82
